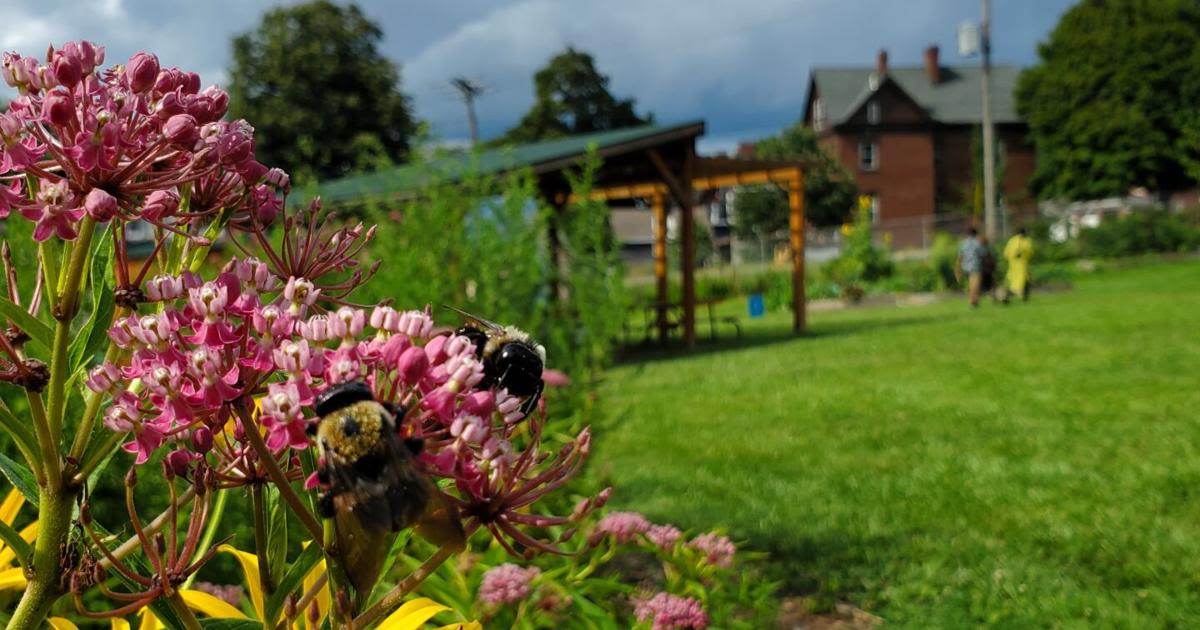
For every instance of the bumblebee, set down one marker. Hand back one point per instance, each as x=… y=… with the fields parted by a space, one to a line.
x=371 y=484
x=511 y=359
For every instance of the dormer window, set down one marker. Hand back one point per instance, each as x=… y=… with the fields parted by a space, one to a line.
x=873 y=113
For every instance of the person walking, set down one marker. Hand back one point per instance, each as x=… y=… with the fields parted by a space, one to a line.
x=970 y=263
x=1018 y=252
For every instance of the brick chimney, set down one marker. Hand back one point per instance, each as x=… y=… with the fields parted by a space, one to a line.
x=932 y=69
x=881 y=63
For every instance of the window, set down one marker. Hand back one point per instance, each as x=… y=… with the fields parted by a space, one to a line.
x=818 y=115
x=873 y=113
x=868 y=155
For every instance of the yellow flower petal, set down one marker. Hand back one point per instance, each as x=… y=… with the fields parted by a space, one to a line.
x=249 y=564
x=119 y=624
x=202 y=602
x=323 y=598
x=58 y=623
x=149 y=621
x=7 y=555
x=11 y=505
x=412 y=615
x=11 y=579
x=466 y=625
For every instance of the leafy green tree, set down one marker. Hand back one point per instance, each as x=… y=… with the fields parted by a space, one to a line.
x=829 y=190
x=572 y=97
x=1105 y=106
x=319 y=93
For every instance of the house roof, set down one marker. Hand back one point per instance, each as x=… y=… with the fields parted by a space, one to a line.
x=544 y=156
x=954 y=100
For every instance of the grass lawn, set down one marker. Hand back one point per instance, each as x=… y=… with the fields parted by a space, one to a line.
x=1035 y=465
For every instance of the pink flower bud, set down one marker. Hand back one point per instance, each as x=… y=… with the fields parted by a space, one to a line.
x=190 y=82
x=412 y=365
x=202 y=440
x=100 y=205
x=159 y=205
x=142 y=71
x=181 y=131
x=218 y=101
x=169 y=105
x=58 y=108
x=67 y=68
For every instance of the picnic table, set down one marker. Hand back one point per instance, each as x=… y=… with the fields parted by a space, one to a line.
x=673 y=314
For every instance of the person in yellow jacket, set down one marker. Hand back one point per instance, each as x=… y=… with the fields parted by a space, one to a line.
x=1018 y=253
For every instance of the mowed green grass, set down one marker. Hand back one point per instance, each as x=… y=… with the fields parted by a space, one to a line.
x=1030 y=466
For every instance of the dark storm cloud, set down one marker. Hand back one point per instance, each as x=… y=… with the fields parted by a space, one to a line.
x=742 y=66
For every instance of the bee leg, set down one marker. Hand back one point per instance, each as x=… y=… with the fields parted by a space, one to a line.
x=325 y=507
x=531 y=402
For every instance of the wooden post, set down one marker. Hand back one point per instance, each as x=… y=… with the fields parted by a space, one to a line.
x=796 y=229
x=659 y=203
x=687 y=235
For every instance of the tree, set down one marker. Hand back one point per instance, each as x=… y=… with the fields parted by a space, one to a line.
x=1104 y=104
x=829 y=191
x=572 y=97
x=319 y=93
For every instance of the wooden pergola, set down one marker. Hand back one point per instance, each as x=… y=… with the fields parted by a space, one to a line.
x=653 y=162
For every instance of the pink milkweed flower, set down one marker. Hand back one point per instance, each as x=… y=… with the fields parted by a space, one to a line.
x=164 y=288
x=301 y=294
x=100 y=205
x=55 y=217
x=665 y=611
x=282 y=415
x=159 y=205
x=181 y=131
x=412 y=365
x=141 y=72
x=58 y=108
x=663 y=536
x=717 y=549
x=507 y=584
x=623 y=526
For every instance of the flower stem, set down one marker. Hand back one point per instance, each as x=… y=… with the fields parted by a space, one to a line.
x=281 y=481
x=54 y=522
x=260 y=538
x=96 y=457
x=51 y=465
x=185 y=614
x=393 y=598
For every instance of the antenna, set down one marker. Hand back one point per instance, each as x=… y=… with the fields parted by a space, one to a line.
x=468 y=89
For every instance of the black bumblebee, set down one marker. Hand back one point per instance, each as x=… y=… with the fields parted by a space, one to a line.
x=370 y=482
x=511 y=359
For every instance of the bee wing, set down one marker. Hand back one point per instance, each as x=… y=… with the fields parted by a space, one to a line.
x=440 y=523
x=475 y=319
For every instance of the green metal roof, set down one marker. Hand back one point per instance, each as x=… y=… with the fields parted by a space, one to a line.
x=547 y=154
x=954 y=100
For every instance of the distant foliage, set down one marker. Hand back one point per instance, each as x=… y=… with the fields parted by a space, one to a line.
x=861 y=260
x=571 y=97
x=320 y=93
x=829 y=190
x=1112 y=104
x=1139 y=233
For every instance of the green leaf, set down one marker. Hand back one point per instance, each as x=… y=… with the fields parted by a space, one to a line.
x=398 y=545
x=38 y=331
x=20 y=477
x=277 y=534
x=293 y=579
x=14 y=540
x=230 y=624
x=94 y=333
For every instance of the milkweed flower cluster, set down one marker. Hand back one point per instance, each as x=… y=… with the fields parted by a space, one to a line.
x=127 y=142
x=665 y=611
x=718 y=550
x=507 y=584
x=623 y=526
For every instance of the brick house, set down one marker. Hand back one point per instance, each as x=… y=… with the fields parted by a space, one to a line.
x=906 y=134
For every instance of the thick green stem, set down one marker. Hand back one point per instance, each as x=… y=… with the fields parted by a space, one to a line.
x=54 y=522
x=64 y=314
x=281 y=481
x=185 y=614
x=259 y=507
x=51 y=465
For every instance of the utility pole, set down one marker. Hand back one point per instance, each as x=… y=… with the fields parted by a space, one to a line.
x=468 y=90
x=989 y=139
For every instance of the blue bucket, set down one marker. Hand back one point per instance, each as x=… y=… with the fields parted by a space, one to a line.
x=756 y=305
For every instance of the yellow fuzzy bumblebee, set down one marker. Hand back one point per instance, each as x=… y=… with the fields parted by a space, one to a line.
x=371 y=484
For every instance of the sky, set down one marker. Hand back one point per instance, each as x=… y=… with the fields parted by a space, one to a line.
x=740 y=65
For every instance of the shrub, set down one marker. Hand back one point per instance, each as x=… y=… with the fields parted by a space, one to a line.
x=1154 y=230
